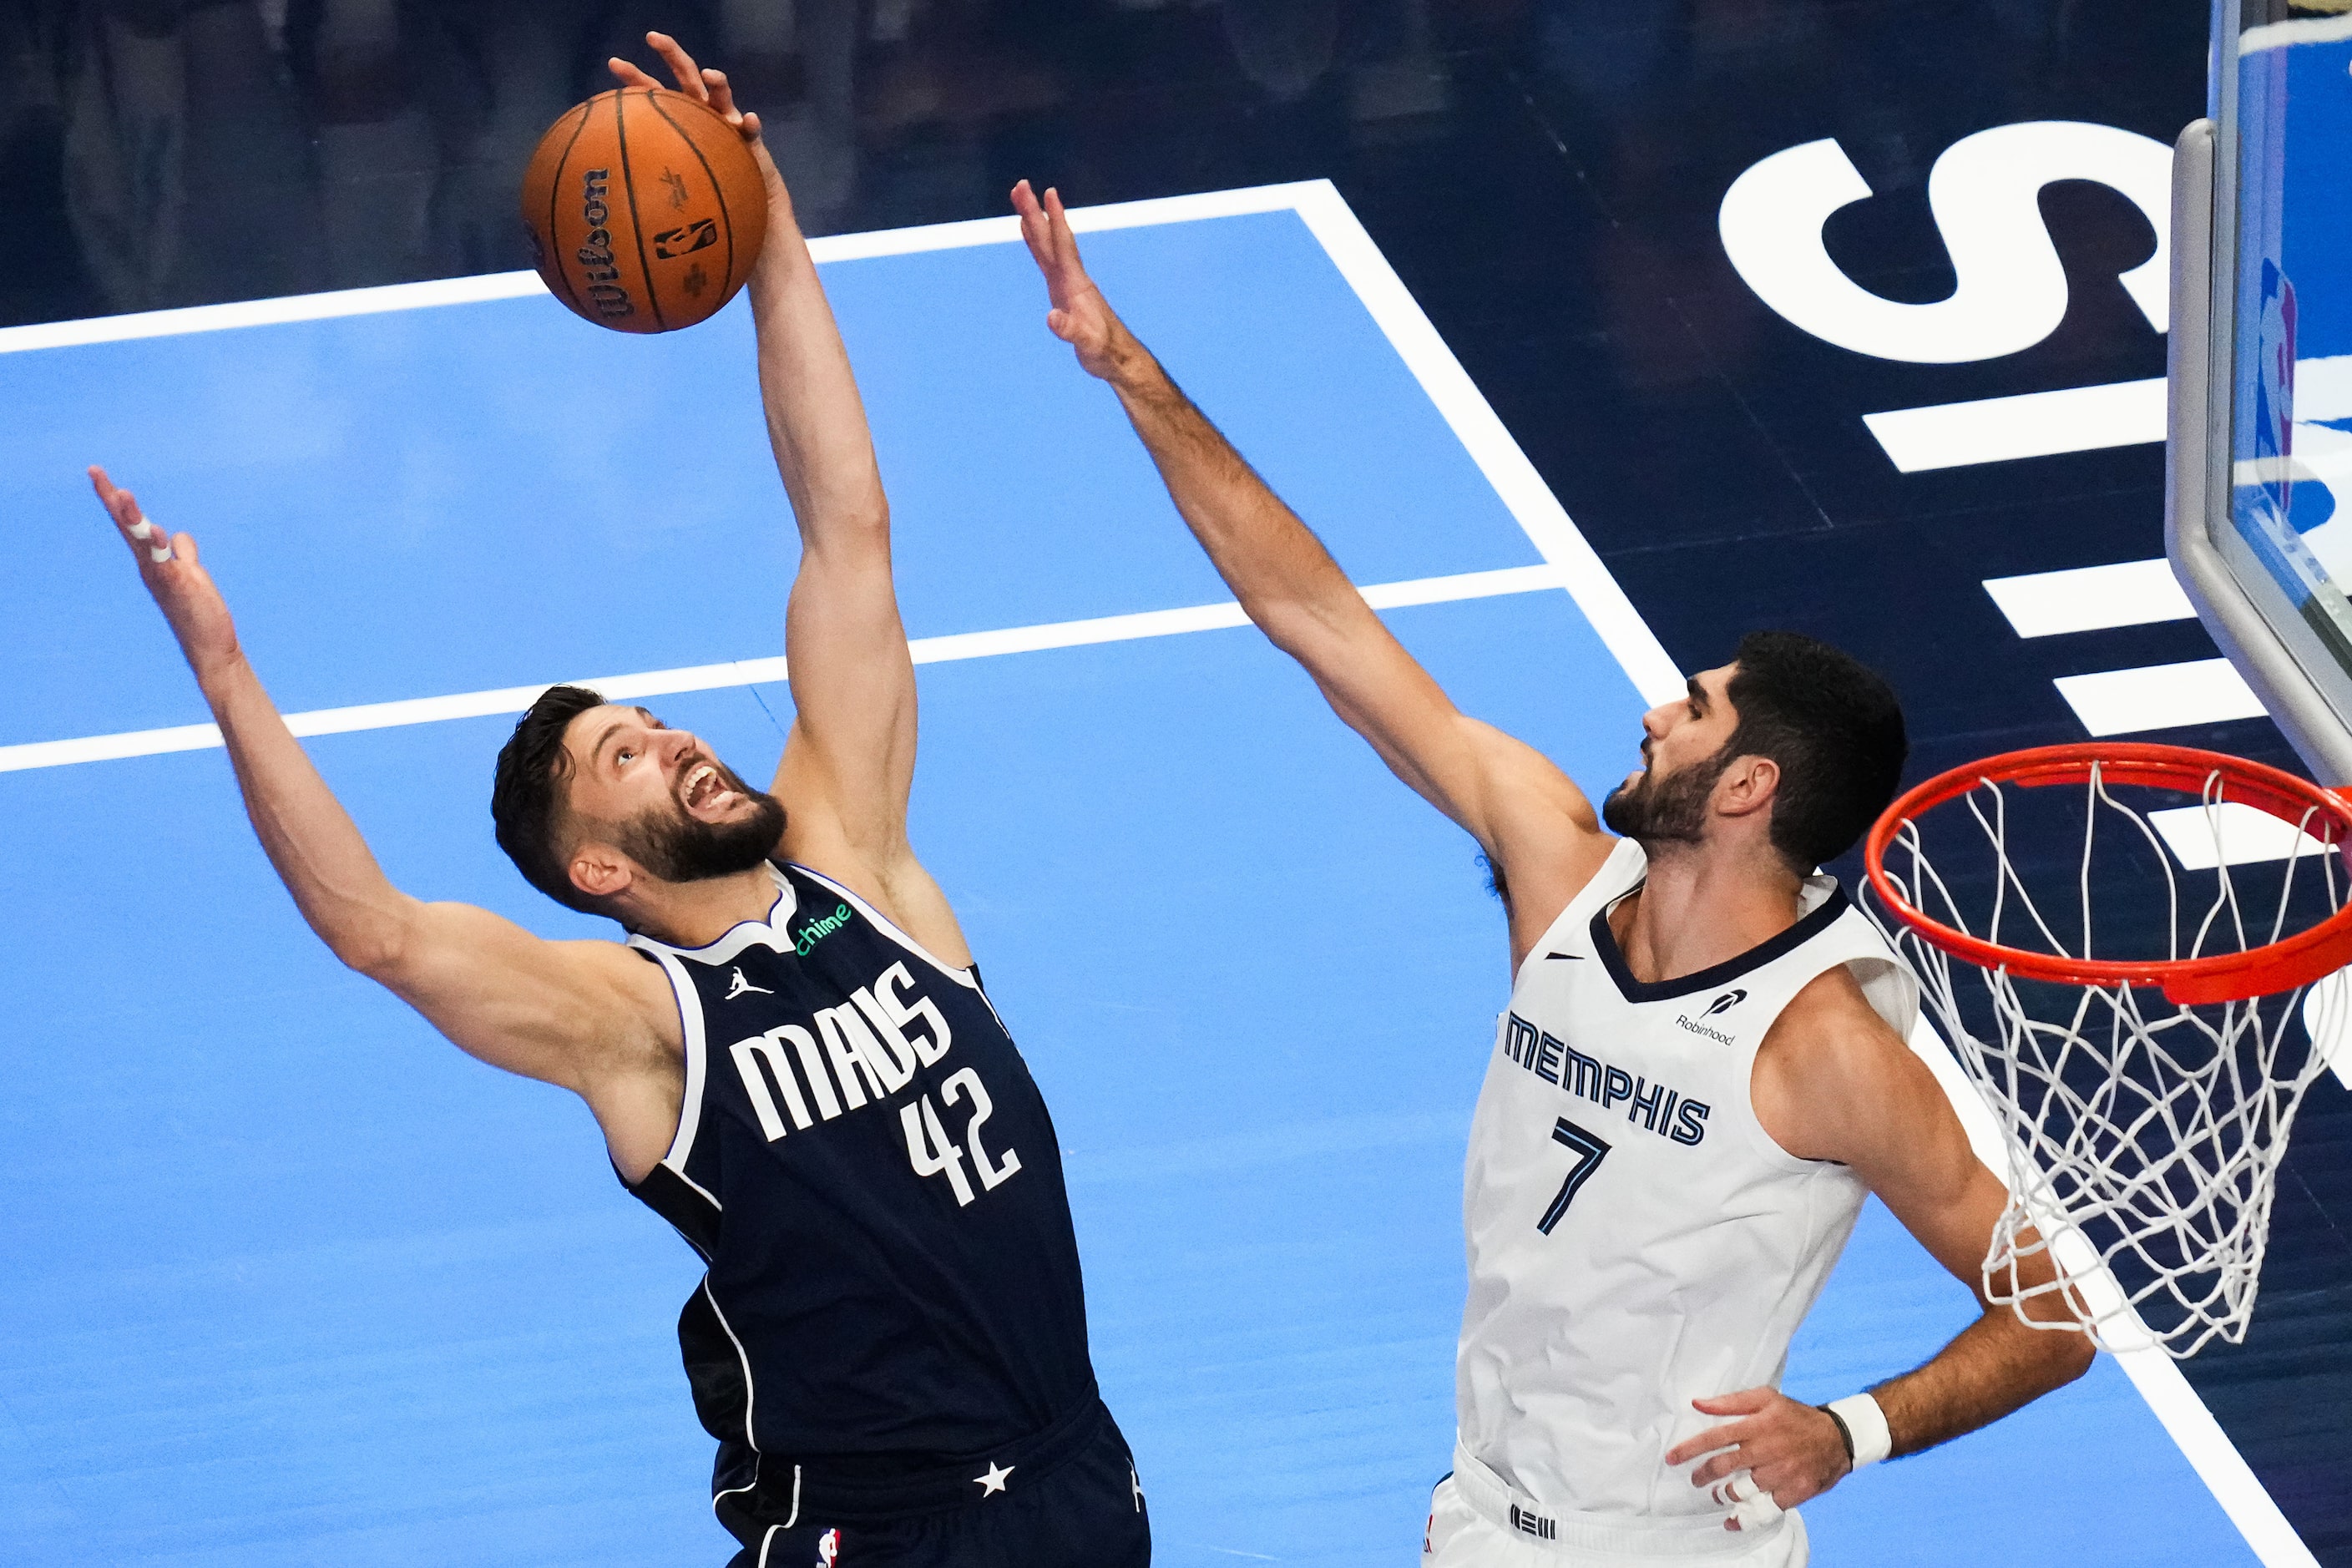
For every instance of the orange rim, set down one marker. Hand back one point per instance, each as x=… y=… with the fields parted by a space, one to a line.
x=2282 y=965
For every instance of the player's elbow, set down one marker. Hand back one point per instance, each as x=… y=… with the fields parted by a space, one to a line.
x=1320 y=634
x=379 y=945
x=2052 y=1357
x=2073 y=1356
x=374 y=953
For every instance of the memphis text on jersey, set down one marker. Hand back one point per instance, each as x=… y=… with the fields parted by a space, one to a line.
x=1653 y=1106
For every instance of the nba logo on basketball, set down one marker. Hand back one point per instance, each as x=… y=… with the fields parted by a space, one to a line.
x=828 y=1549
x=643 y=150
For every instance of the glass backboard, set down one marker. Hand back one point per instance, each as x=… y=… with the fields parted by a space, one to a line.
x=2263 y=404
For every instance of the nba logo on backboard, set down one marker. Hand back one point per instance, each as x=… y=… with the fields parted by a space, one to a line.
x=2275 y=390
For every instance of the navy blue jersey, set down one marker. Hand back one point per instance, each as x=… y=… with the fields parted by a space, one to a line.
x=868 y=1170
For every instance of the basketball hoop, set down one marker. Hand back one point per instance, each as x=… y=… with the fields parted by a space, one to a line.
x=2145 y=1094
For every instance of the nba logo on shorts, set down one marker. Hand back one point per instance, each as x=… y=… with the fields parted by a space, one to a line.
x=828 y=1549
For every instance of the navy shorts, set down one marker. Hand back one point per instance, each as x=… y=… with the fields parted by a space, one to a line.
x=1070 y=1501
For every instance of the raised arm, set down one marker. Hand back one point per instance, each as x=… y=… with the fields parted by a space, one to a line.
x=1832 y=1082
x=1533 y=822
x=588 y=1016
x=849 y=763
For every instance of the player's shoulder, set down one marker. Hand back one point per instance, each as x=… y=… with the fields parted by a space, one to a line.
x=1829 y=1066
x=620 y=966
x=1830 y=1022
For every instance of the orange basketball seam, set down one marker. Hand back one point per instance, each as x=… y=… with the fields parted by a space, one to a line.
x=554 y=197
x=717 y=192
x=629 y=183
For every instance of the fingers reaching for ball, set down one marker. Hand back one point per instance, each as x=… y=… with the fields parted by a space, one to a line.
x=702 y=85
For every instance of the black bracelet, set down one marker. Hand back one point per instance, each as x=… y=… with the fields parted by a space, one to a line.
x=1844 y=1436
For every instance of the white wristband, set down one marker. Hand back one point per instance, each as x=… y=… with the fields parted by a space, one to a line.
x=1866 y=1423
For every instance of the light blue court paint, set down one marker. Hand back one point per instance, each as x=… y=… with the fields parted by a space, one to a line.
x=284 y=1279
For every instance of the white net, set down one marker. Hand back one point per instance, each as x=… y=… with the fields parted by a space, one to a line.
x=2143 y=1136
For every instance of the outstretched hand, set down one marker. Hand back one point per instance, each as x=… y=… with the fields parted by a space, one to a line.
x=182 y=589
x=1080 y=316
x=1779 y=1454
x=702 y=85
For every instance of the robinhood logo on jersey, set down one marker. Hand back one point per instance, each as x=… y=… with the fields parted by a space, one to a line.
x=804 y=941
x=1723 y=1003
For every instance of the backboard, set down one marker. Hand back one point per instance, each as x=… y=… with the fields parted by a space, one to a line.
x=2258 y=493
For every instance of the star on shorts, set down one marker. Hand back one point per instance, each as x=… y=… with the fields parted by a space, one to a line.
x=993 y=1482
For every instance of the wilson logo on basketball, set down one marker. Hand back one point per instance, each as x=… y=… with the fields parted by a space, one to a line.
x=672 y=242
x=650 y=207
x=595 y=253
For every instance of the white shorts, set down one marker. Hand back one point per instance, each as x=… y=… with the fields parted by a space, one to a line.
x=1474 y=1521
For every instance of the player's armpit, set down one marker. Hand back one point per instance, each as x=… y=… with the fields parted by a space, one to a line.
x=579 y=1014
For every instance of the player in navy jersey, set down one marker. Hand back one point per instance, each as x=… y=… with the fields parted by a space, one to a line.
x=791 y=1059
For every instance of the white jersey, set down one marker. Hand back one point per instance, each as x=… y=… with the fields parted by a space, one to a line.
x=1636 y=1239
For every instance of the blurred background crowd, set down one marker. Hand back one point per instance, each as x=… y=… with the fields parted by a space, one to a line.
x=161 y=153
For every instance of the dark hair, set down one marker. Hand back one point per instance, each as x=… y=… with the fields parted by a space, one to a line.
x=1834 y=726
x=527 y=794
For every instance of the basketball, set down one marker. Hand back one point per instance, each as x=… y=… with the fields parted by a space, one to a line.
x=646 y=210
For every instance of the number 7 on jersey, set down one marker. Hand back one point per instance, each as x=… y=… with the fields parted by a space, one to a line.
x=1589 y=1153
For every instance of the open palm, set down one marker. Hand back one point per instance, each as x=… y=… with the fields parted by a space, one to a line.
x=1080 y=316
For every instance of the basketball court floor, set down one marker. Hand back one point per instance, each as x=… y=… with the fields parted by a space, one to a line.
x=287 y=1279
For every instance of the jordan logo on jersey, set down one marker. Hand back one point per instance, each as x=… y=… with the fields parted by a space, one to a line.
x=736 y=985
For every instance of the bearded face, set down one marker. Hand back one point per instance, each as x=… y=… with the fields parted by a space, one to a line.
x=677 y=846
x=1655 y=809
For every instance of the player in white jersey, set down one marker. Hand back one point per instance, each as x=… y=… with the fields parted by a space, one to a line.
x=1702 y=1071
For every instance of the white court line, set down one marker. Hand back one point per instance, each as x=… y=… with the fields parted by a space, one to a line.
x=2302 y=30
x=522 y=285
x=1482 y=433
x=1458 y=400
x=2034 y=424
x=752 y=672
x=2246 y=834
x=2072 y=419
x=2323 y=386
x=2160 y=697
x=2091 y=598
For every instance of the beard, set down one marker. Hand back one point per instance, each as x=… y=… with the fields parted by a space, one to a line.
x=677 y=846
x=1655 y=810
